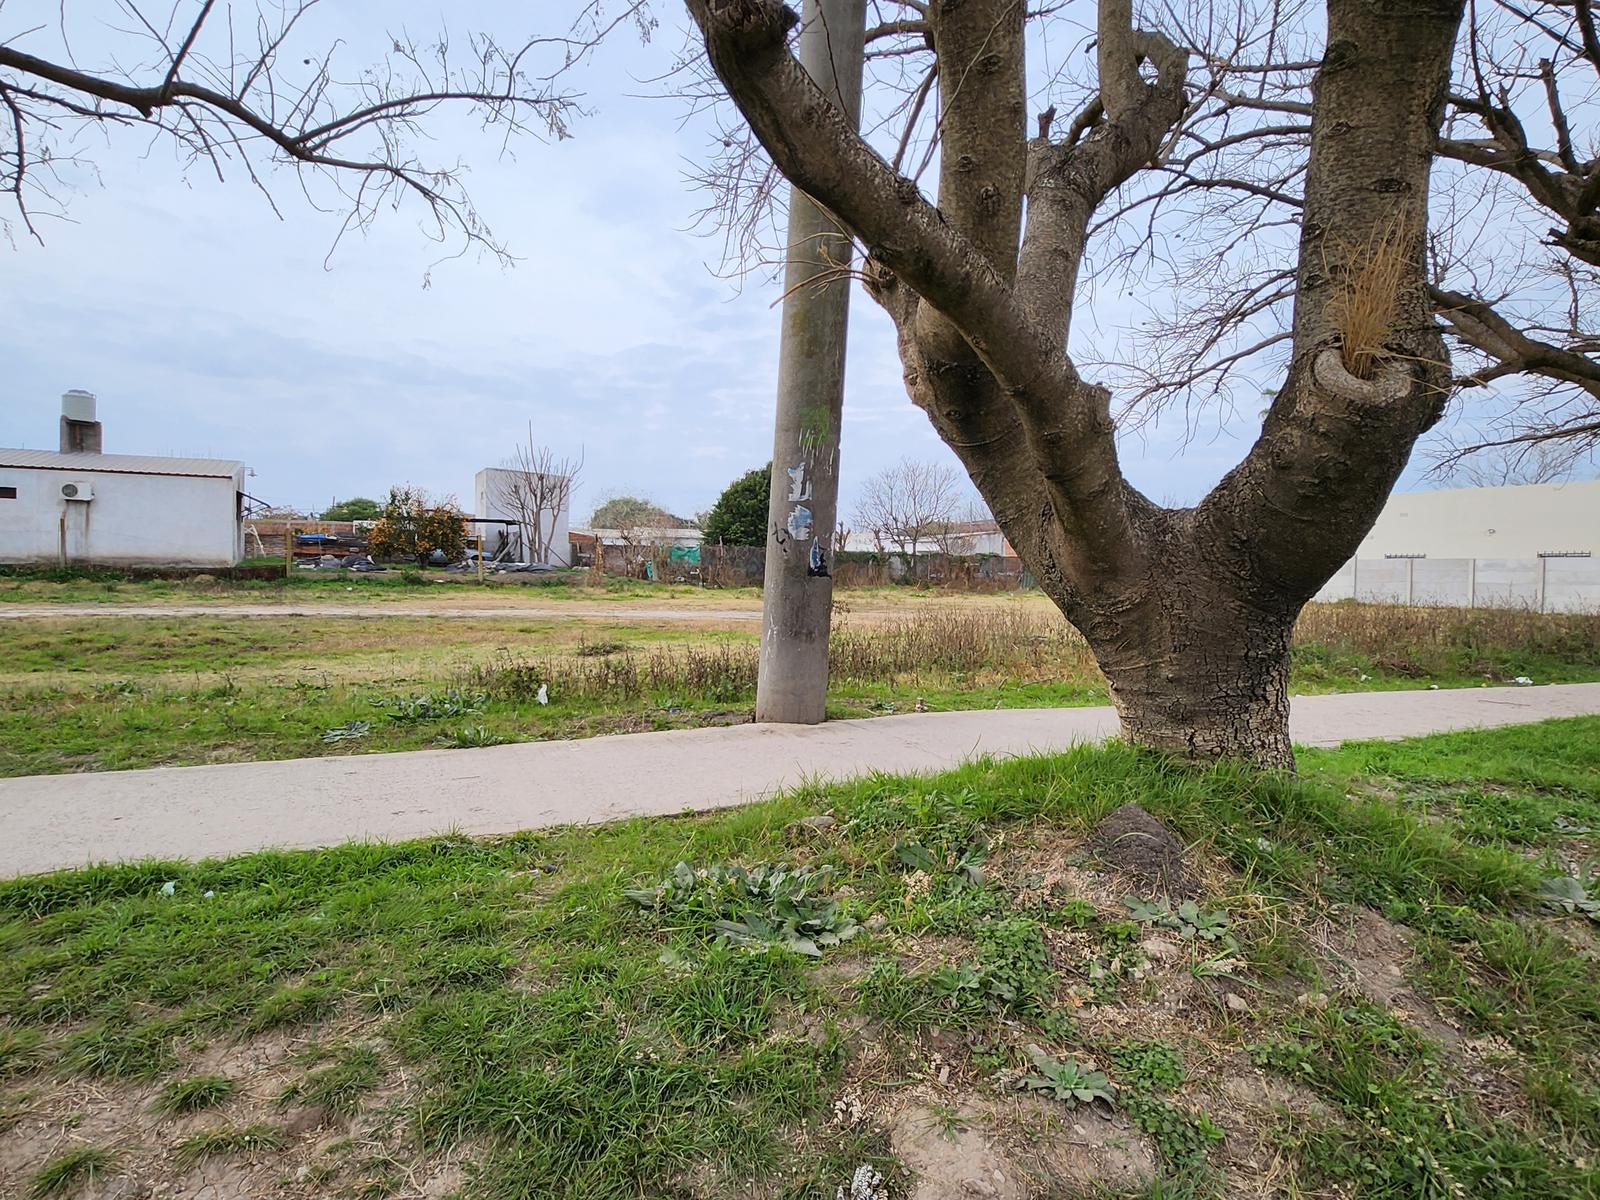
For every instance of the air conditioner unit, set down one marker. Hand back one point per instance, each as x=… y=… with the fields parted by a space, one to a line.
x=78 y=490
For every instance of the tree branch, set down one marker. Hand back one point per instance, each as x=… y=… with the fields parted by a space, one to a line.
x=1067 y=422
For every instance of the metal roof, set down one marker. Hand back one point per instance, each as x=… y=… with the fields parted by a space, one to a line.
x=120 y=464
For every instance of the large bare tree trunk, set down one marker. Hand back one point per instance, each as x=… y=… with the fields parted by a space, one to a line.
x=1188 y=611
x=1201 y=674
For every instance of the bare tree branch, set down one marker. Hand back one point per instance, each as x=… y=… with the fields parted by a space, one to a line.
x=225 y=106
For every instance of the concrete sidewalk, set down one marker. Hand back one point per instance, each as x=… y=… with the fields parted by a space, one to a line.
x=50 y=821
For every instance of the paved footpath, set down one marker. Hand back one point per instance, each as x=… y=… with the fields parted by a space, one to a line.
x=50 y=821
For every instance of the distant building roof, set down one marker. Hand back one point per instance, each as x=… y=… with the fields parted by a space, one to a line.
x=120 y=464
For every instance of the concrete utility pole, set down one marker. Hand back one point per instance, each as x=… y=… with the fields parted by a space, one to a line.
x=798 y=596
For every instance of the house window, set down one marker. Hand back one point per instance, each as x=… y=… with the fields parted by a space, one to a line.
x=8 y=493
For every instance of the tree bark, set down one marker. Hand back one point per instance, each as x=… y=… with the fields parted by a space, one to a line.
x=1196 y=672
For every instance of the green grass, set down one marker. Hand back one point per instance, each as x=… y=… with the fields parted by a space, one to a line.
x=194 y=1094
x=123 y=693
x=62 y=1174
x=227 y=1141
x=340 y=1087
x=507 y=997
x=29 y=585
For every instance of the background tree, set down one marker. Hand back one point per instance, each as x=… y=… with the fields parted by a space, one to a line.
x=357 y=508
x=739 y=517
x=909 y=505
x=1189 y=611
x=239 y=90
x=414 y=526
x=968 y=521
x=536 y=487
x=628 y=512
x=1513 y=464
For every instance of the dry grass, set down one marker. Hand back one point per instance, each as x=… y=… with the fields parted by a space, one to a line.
x=1368 y=302
x=1417 y=640
x=943 y=642
x=963 y=644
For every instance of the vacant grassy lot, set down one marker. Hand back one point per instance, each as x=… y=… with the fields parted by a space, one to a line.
x=1377 y=992
x=109 y=693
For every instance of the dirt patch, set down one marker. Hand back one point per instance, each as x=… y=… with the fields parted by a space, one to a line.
x=321 y=1152
x=950 y=1155
x=1370 y=956
x=1136 y=845
x=1018 y=1147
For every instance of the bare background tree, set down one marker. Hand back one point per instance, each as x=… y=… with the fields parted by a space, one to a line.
x=968 y=521
x=536 y=485
x=1513 y=465
x=237 y=90
x=908 y=506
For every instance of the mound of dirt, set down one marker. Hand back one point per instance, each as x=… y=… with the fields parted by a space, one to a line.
x=1134 y=843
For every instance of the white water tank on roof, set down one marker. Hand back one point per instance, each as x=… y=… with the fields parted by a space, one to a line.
x=77 y=405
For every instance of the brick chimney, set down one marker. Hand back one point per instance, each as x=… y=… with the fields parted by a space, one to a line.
x=80 y=432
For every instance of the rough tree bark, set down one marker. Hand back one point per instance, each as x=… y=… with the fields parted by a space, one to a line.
x=1188 y=611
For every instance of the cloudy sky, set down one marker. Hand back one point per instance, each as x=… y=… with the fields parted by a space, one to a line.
x=209 y=325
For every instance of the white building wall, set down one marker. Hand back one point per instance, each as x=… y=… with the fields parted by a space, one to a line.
x=1483 y=548
x=1572 y=584
x=1493 y=522
x=1545 y=584
x=489 y=500
x=133 y=520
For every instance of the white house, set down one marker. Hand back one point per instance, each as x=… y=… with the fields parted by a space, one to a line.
x=79 y=507
x=501 y=494
x=975 y=538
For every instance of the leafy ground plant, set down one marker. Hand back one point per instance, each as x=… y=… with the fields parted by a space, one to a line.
x=430 y=706
x=1567 y=894
x=1070 y=1081
x=1188 y=920
x=771 y=904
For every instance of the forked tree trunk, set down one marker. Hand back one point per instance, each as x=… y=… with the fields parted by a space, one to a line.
x=1188 y=611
